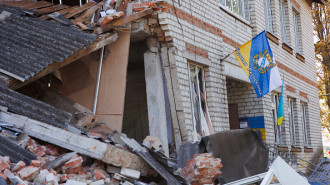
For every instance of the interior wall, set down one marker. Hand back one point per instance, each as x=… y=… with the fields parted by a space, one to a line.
x=135 y=121
x=79 y=82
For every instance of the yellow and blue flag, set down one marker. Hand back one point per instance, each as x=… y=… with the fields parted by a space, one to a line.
x=256 y=59
x=280 y=111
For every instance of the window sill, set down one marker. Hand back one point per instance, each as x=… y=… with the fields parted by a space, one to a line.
x=287 y=48
x=229 y=12
x=272 y=37
x=282 y=148
x=300 y=57
x=308 y=149
x=296 y=149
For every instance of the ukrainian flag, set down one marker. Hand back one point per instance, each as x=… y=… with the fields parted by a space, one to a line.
x=280 y=112
x=256 y=59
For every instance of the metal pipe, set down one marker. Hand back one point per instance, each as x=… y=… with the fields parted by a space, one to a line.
x=98 y=81
x=80 y=2
x=222 y=59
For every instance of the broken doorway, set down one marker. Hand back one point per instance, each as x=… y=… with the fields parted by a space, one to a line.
x=135 y=121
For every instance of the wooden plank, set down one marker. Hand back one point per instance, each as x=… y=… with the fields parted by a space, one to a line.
x=17 y=4
x=51 y=9
x=38 y=4
x=80 y=9
x=64 y=11
x=88 y=13
x=122 y=21
x=100 y=42
x=75 y=142
x=113 y=83
x=67 y=10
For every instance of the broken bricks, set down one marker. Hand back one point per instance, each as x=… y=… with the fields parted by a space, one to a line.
x=202 y=169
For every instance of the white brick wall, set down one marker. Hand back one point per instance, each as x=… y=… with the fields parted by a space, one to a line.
x=240 y=32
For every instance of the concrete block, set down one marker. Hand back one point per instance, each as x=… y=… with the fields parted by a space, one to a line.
x=73 y=182
x=130 y=173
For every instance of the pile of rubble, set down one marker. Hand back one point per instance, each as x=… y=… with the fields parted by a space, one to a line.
x=45 y=163
x=55 y=165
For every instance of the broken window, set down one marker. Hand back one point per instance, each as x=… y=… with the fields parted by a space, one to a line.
x=268 y=15
x=200 y=115
x=239 y=7
x=279 y=137
x=292 y=121
x=305 y=124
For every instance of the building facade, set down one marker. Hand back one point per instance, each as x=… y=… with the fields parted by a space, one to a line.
x=203 y=32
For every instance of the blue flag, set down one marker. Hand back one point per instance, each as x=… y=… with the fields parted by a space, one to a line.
x=256 y=59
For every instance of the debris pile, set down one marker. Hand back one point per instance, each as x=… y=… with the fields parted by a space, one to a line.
x=55 y=165
x=202 y=169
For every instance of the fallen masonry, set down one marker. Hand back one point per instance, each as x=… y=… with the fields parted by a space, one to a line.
x=91 y=161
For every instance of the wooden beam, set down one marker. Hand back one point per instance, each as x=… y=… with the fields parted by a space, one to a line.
x=75 y=142
x=99 y=43
x=79 y=9
x=64 y=11
x=17 y=3
x=51 y=9
x=88 y=13
x=67 y=10
x=38 y=4
x=122 y=21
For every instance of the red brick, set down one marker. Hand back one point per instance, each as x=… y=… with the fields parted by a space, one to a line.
x=74 y=162
x=18 y=166
x=35 y=163
x=29 y=173
x=74 y=170
x=202 y=169
x=302 y=94
x=100 y=174
x=3 y=164
x=52 y=150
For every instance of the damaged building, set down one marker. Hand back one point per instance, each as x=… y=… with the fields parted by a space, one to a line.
x=154 y=69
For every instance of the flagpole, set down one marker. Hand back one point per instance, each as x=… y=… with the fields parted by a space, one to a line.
x=222 y=59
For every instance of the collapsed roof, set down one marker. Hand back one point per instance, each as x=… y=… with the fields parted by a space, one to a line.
x=29 y=44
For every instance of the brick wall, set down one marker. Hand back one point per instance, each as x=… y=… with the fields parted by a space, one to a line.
x=206 y=30
x=243 y=94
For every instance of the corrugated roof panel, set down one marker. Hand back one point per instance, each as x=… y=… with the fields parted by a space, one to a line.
x=34 y=109
x=28 y=45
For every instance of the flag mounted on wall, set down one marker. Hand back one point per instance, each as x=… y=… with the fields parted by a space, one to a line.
x=280 y=112
x=256 y=59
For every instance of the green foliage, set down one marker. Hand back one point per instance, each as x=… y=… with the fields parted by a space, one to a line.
x=321 y=23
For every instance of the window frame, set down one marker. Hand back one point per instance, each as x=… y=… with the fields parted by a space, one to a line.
x=292 y=121
x=197 y=126
x=296 y=27
x=278 y=130
x=242 y=8
x=268 y=16
x=283 y=14
x=304 y=108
